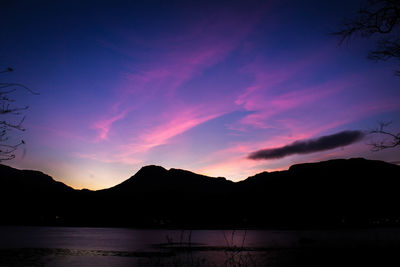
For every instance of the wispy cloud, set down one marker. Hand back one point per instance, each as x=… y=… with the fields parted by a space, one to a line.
x=103 y=126
x=176 y=124
x=274 y=93
x=170 y=125
x=197 y=46
x=180 y=58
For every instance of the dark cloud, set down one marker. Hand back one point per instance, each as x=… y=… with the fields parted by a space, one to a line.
x=309 y=146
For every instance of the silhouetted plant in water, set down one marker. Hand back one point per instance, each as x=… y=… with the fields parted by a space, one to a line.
x=237 y=255
x=233 y=254
x=11 y=118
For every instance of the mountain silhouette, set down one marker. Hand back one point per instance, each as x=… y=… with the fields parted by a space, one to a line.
x=157 y=179
x=30 y=196
x=335 y=193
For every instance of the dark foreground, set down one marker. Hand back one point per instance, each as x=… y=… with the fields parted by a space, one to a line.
x=352 y=193
x=63 y=246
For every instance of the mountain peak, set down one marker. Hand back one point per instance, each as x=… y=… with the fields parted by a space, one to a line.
x=149 y=169
x=146 y=175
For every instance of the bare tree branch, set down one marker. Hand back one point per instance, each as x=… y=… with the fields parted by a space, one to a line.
x=8 y=147
x=387 y=139
x=5 y=85
x=379 y=18
x=7 y=70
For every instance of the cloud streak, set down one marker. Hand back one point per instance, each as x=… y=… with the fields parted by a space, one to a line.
x=104 y=126
x=309 y=146
x=175 y=125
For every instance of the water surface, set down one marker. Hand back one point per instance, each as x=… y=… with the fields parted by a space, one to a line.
x=79 y=246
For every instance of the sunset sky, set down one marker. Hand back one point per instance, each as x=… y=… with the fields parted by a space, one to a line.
x=196 y=85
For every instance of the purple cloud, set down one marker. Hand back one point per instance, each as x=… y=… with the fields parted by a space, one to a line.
x=309 y=146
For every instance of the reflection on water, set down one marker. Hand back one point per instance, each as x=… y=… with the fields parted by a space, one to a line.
x=77 y=246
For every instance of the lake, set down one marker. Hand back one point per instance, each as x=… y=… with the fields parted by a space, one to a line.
x=79 y=246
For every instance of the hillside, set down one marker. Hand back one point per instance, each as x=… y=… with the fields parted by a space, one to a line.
x=335 y=193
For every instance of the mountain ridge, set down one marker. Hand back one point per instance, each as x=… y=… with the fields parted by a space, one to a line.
x=338 y=192
x=296 y=167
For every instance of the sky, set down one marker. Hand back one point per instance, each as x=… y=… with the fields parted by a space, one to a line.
x=214 y=87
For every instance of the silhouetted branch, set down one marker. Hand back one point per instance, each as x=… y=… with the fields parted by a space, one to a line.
x=380 y=18
x=7 y=70
x=386 y=49
x=7 y=150
x=5 y=85
x=15 y=126
x=393 y=141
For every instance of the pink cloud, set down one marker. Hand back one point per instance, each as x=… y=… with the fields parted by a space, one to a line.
x=103 y=126
x=196 y=47
x=159 y=135
x=180 y=58
x=173 y=123
x=276 y=90
x=265 y=105
x=176 y=123
x=176 y=67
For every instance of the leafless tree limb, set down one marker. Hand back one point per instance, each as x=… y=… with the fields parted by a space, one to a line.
x=388 y=139
x=7 y=108
x=379 y=18
x=376 y=18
